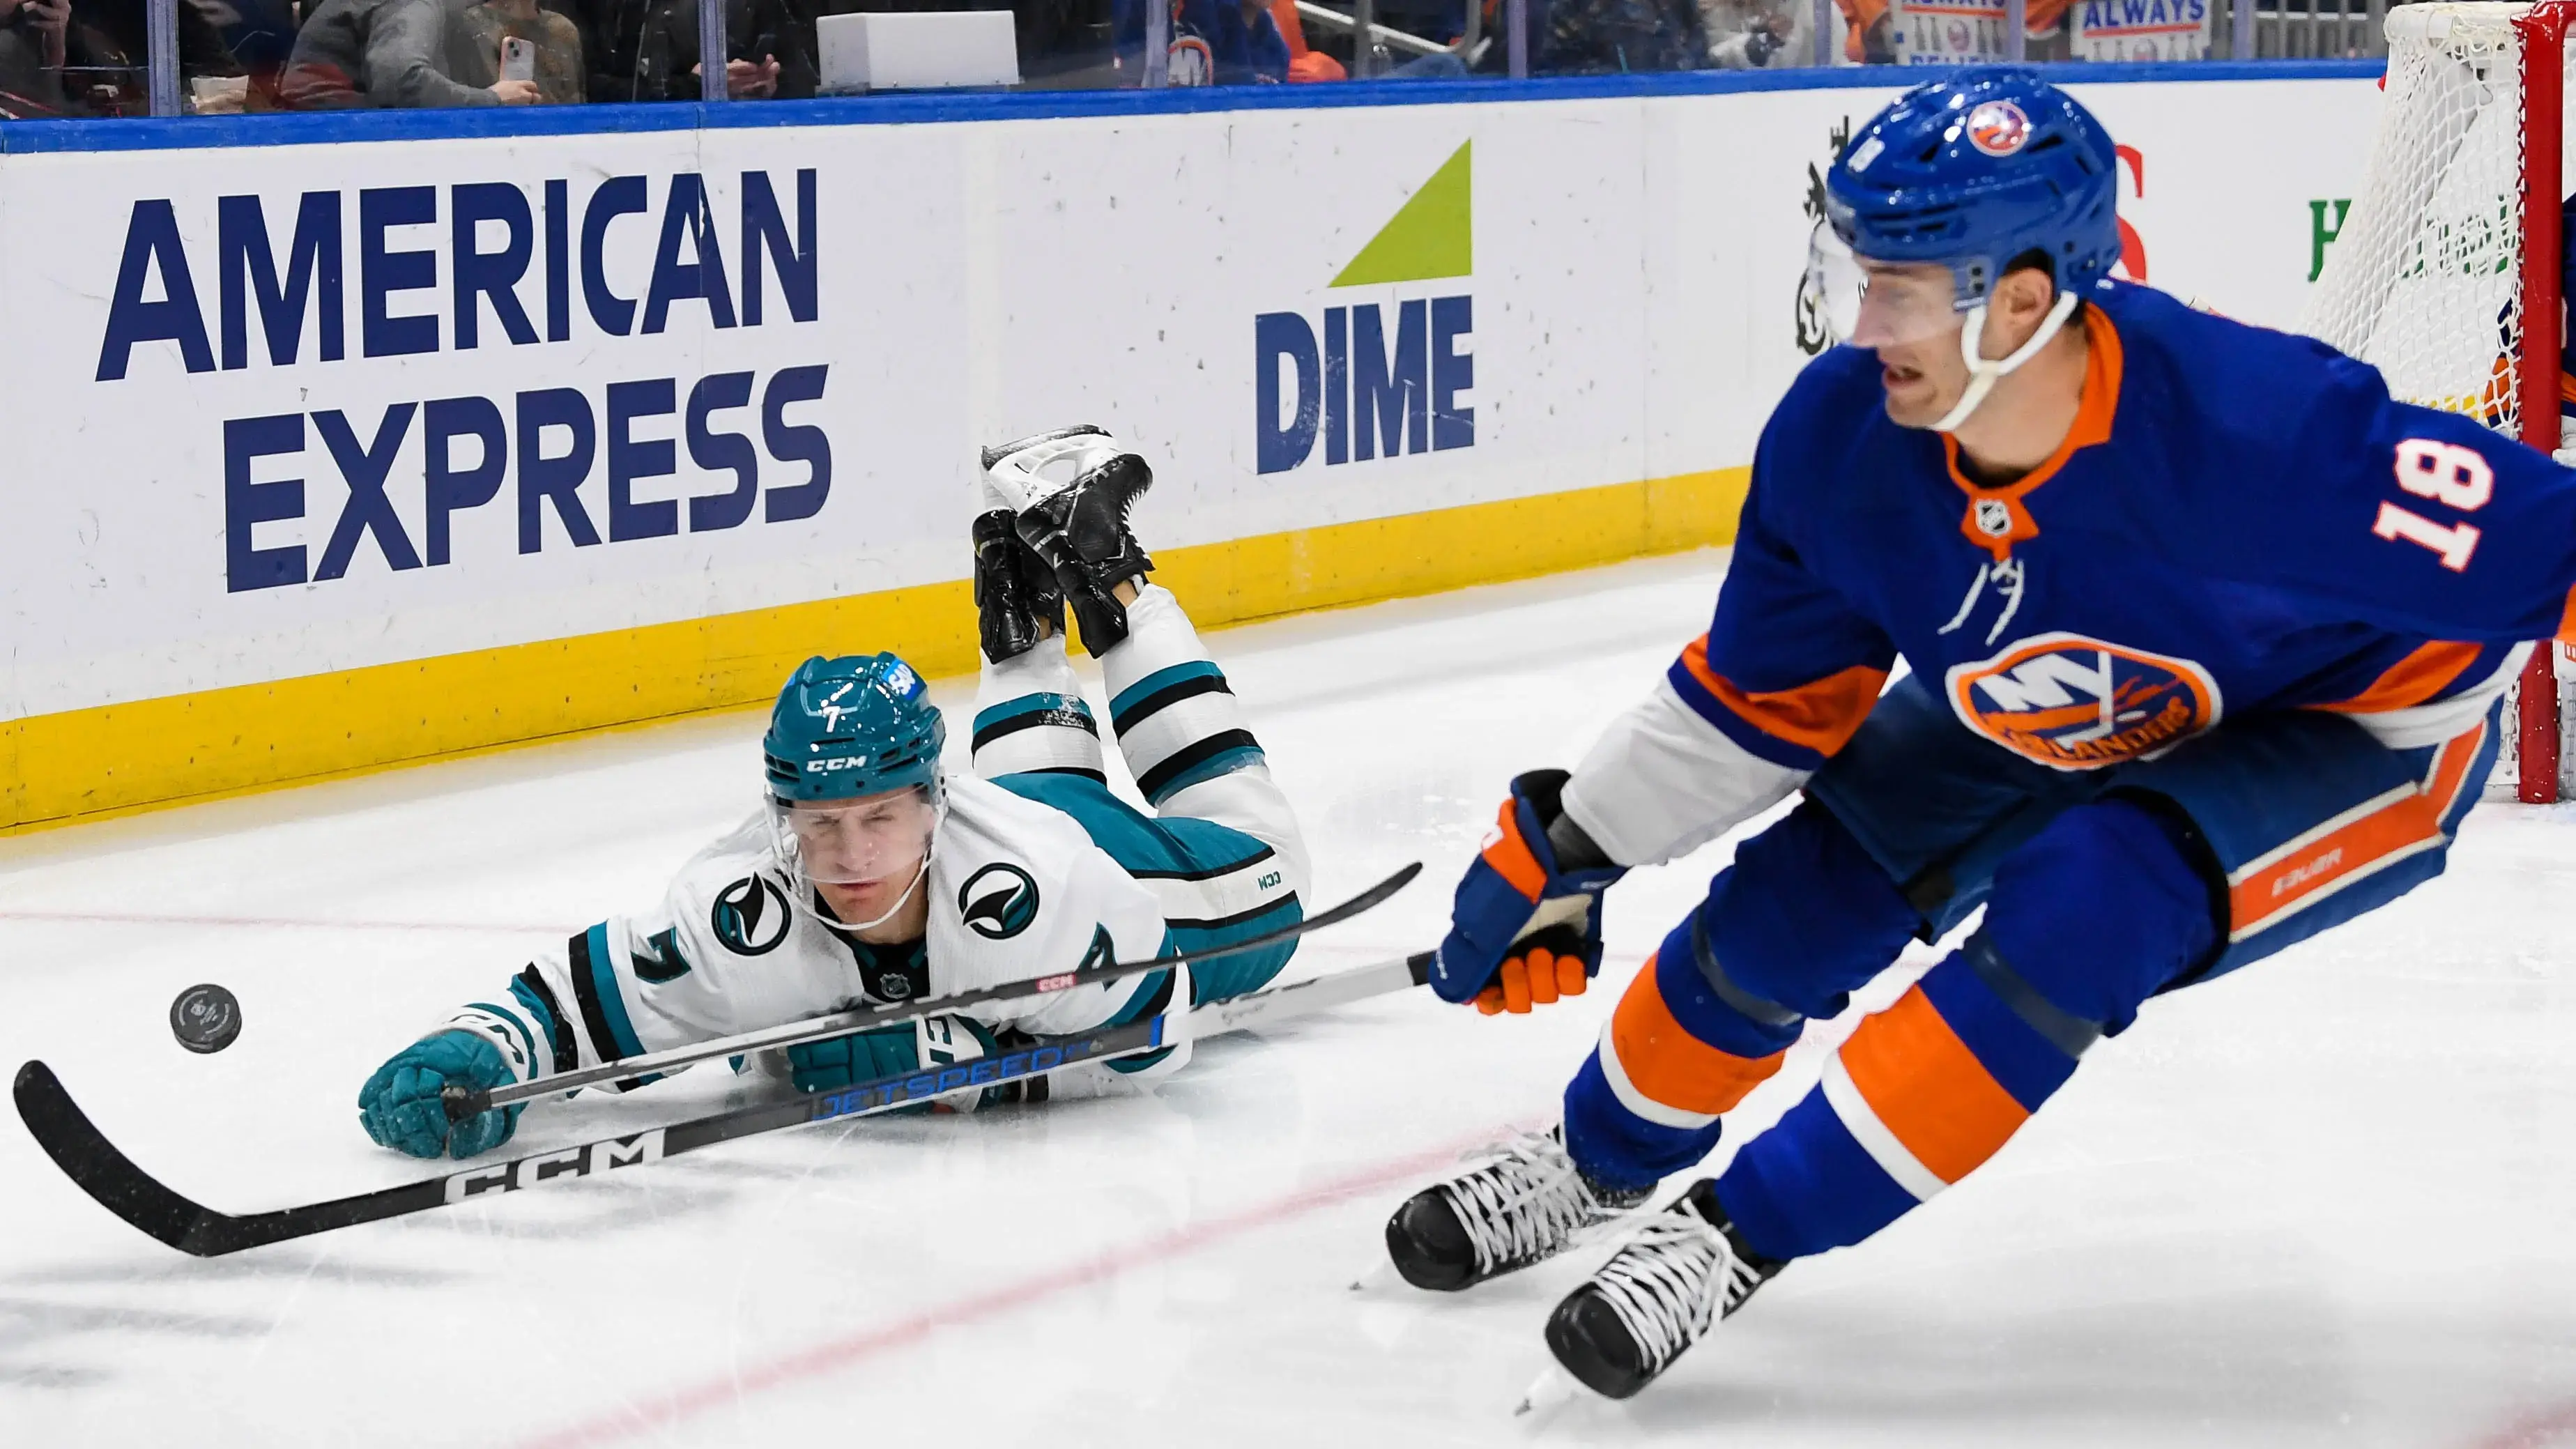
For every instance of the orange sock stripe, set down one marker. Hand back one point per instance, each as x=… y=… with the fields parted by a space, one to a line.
x=1671 y=1066
x=1510 y=855
x=2405 y=824
x=1928 y=1089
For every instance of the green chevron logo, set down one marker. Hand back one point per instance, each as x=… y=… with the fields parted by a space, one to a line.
x=1433 y=235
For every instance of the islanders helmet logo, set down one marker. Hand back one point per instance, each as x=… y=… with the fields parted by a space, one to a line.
x=1998 y=128
x=2074 y=703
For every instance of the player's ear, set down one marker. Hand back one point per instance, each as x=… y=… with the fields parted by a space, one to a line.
x=2022 y=298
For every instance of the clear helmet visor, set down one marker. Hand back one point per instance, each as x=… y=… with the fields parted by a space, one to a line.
x=1875 y=304
x=855 y=842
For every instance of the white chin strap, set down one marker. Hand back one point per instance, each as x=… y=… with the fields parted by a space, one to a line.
x=1984 y=374
x=898 y=900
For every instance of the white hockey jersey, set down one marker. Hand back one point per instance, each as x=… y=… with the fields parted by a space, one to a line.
x=1017 y=891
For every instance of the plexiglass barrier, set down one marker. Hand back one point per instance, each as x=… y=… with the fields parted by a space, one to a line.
x=91 y=58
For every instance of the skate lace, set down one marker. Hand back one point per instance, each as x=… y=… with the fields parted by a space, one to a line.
x=1527 y=1203
x=1673 y=1279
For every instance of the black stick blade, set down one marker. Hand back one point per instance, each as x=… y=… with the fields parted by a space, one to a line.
x=97 y=1168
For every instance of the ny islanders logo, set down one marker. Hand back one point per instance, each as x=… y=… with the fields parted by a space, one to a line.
x=1998 y=128
x=2074 y=703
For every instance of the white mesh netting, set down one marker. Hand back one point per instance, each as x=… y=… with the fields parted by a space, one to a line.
x=2423 y=280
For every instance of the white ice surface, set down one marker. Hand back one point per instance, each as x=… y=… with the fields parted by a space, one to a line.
x=2327 y=1201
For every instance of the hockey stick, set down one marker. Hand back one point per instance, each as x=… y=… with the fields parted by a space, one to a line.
x=464 y=1104
x=96 y=1166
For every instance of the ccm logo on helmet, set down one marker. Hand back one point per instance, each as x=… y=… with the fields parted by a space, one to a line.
x=1998 y=128
x=844 y=762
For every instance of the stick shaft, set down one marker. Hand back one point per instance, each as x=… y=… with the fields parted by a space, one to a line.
x=463 y=1105
x=98 y=1168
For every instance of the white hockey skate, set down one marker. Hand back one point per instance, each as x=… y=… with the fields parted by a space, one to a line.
x=1068 y=493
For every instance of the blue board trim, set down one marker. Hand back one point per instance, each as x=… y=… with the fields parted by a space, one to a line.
x=323 y=128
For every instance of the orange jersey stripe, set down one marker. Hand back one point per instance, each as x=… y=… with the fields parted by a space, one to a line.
x=2567 y=619
x=2412 y=680
x=1510 y=855
x=2330 y=859
x=1821 y=716
x=1670 y=1065
x=1929 y=1089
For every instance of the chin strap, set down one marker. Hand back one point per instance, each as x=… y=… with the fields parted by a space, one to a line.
x=1984 y=374
x=857 y=926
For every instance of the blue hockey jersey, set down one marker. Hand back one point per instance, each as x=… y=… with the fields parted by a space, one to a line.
x=2239 y=520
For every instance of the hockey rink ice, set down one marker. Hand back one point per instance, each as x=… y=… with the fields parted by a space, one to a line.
x=2330 y=1200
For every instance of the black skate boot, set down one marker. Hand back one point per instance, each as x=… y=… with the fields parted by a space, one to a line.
x=1079 y=529
x=1015 y=592
x=1659 y=1294
x=1525 y=1205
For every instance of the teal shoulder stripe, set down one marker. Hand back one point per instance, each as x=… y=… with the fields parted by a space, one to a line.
x=1161 y=678
x=1028 y=704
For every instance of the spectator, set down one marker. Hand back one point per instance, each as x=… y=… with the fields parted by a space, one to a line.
x=107 y=43
x=1607 y=37
x=392 y=53
x=1758 y=34
x=1214 y=42
x=647 y=50
x=1869 y=35
x=1304 y=65
x=556 y=42
x=31 y=56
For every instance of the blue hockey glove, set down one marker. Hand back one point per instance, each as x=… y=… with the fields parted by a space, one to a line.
x=839 y=1062
x=400 y=1107
x=1524 y=930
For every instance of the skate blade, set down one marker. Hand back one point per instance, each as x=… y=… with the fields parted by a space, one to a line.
x=1549 y=1392
x=1376 y=1275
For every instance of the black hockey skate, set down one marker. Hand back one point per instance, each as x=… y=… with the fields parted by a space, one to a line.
x=1525 y=1205
x=1660 y=1293
x=1078 y=529
x=1015 y=592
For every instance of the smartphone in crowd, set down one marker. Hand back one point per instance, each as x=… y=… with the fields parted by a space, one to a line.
x=518 y=59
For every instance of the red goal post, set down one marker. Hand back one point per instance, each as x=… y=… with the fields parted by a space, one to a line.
x=2445 y=273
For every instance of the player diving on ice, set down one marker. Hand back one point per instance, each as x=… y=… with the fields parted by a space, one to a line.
x=870 y=875
x=2206 y=638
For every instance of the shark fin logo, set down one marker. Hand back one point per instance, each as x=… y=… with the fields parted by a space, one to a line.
x=750 y=917
x=998 y=902
x=1381 y=377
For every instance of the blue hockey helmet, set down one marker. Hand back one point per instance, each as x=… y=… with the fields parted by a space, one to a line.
x=859 y=725
x=1975 y=171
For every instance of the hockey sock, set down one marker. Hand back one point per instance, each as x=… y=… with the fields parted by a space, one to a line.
x=1177 y=719
x=1030 y=717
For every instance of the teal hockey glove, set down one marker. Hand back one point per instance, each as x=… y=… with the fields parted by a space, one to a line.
x=400 y=1106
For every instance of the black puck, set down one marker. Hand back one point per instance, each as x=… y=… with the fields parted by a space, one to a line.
x=205 y=1018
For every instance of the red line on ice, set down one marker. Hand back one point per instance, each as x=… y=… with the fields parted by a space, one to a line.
x=2536 y=1429
x=839 y=1353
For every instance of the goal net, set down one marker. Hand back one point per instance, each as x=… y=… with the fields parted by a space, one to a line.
x=2445 y=273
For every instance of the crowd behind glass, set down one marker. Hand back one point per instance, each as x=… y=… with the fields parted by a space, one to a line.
x=94 y=57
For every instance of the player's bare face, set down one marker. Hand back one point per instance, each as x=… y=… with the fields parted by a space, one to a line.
x=864 y=854
x=1907 y=316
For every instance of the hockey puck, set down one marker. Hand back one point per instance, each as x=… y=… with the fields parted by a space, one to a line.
x=205 y=1018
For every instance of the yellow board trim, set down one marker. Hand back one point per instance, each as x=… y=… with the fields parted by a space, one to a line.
x=90 y=764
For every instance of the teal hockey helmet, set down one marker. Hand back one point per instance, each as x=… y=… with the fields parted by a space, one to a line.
x=859 y=725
